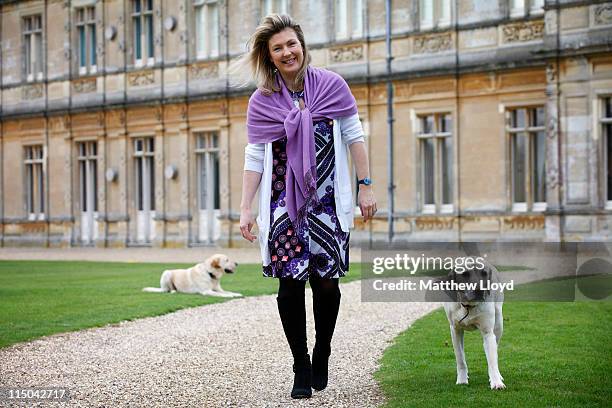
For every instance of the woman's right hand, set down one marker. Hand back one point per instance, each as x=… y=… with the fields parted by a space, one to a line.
x=246 y=224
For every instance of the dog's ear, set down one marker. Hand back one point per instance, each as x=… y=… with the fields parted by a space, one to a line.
x=215 y=262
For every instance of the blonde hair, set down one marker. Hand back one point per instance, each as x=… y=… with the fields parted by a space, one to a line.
x=257 y=59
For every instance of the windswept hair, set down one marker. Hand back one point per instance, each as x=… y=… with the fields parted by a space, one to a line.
x=257 y=59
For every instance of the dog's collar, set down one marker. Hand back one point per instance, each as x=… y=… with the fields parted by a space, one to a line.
x=212 y=276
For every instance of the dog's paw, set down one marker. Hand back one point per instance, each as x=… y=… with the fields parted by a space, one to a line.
x=497 y=385
x=462 y=378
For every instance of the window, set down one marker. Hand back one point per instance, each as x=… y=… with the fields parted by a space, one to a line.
x=527 y=158
x=88 y=175
x=34 y=181
x=606 y=121
x=33 y=50
x=349 y=19
x=520 y=8
x=273 y=6
x=86 y=39
x=144 y=152
x=142 y=31
x=436 y=162
x=207 y=28
x=434 y=13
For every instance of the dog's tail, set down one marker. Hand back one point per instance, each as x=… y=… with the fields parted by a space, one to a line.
x=157 y=290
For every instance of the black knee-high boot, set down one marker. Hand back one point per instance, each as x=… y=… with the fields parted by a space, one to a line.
x=326 y=303
x=292 y=311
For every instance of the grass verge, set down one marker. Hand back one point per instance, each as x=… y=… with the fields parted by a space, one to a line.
x=553 y=354
x=39 y=298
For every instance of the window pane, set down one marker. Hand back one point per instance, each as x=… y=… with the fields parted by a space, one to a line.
x=217 y=198
x=149 y=5
x=608 y=109
x=151 y=183
x=94 y=172
x=539 y=118
x=427 y=124
x=151 y=145
x=426 y=12
x=427 y=163
x=139 y=181
x=199 y=19
x=214 y=140
x=341 y=18
x=39 y=50
x=202 y=179
x=447 y=170
x=92 y=49
x=213 y=19
x=150 y=49
x=539 y=160
x=28 y=54
x=518 y=167
x=82 y=58
x=357 y=19
x=83 y=169
x=136 y=6
x=41 y=190
x=137 y=38
x=519 y=118
x=446 y=123
x=29 y=188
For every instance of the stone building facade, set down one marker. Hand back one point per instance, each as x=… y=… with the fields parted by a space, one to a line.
x=119 y=126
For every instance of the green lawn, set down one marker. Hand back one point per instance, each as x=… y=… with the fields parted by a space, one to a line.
x=552 y=354
x=38 y=298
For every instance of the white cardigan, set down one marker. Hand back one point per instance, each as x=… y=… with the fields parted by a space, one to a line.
x=258 y=158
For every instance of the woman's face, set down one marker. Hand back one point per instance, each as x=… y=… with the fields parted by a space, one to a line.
x=286 y=53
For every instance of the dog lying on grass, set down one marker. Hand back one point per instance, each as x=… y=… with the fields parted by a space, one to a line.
x=477 y=309
x=203 y=278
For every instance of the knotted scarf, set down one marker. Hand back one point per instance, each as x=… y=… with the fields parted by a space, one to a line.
x=270 y=117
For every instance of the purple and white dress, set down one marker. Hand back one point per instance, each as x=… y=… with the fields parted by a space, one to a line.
x=322 y=247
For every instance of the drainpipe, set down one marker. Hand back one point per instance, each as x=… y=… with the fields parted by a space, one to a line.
x=390 y=120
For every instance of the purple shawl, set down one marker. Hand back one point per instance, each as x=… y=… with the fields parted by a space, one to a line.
x=270 y=117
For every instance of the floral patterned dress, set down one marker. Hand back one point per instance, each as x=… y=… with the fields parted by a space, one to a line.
x=322 y=247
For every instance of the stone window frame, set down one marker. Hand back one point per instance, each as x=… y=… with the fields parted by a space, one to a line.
x=435 y=14
x=29 y=36
x=212 y=42
x=532 y=129
x=605 y=125
x=215 y=147
x=35 y=169
x=438 y=206
x=523 y=8
x=349 y=19
x=273 y=6
x=138 y=155
x=88 y=23
x=145 y=18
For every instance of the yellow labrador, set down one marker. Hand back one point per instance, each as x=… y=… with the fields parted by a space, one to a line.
x=203 y=278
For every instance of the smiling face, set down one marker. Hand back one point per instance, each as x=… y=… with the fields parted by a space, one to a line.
x=286 y=53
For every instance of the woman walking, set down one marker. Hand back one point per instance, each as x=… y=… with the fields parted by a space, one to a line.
x=301 y=123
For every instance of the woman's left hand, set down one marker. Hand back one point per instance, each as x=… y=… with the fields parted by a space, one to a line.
x=367 y=202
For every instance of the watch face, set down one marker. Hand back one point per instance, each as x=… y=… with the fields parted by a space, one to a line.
x=366 y=181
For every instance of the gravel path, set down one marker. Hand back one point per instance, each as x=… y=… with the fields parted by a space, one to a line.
x=227 y=354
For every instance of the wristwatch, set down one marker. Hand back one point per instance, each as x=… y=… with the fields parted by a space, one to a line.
x=366 y=181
